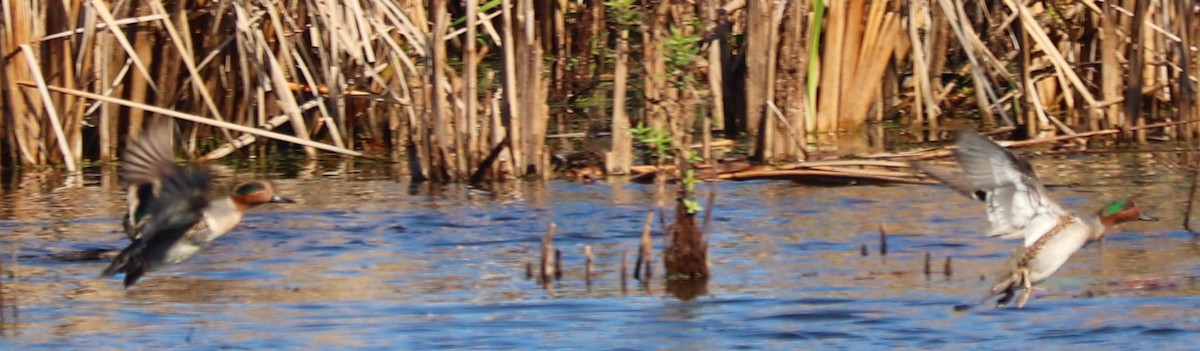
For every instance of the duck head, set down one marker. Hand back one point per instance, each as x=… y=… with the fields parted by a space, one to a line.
x=1121 y=211
x=256 y=193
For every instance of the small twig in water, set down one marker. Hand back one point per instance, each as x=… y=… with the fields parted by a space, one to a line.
x=587 y=267
x=883 y=247
x=624 y=270
x=927 y=264
x=548 y=253
x=946 y=270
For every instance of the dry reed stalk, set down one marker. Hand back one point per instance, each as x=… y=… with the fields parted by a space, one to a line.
x=1025 y=63
x=1034 y=30
x=470 y=129
x=202 y=120
x=479 y=19
x=101 y=9
x=51 y=112
x=1037 y=112
x=89 y=27
x=853 y=47
x=936 y=48
x=1192 y=26
x=443 y=169
x=1110 y=68
x=925 y=106
x=654 y=74
x=794 y=60
x=829 y=101
x=109 y=120
x=621 y=157
x=244 y=140
x=21 y=25
x=758 y=55
x=326 y=119
x=504 y=164
x=512 y=102
x=1137 y=67
x=881 y=40
x=185 y=55
x=985 y=94
x=716 y=81
x=279 y=81
x=793 y=134
x=768 y=146
x=534 y=112
x=79 y=70
x=1185 y=102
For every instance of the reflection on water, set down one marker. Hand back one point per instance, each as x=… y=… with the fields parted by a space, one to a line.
x=367 y=259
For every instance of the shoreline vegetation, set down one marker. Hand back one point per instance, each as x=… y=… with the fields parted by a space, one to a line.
x=467 y=91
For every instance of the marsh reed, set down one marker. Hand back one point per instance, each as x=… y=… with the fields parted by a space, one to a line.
x=462 y=90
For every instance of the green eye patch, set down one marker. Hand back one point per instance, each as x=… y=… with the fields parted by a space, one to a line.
x=249 y=189
x=1115 y=206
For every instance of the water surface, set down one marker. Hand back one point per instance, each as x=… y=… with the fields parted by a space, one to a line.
x=367 y=259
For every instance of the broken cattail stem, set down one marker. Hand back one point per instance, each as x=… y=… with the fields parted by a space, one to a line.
x=645 y=256
x=883 y=247
x=624 y=269
x=587 y=267
x=946 y=270
x=558 y=264
x=1187 y=214
x=863 y=251
x=548 y=252
x=637 y=265
x=927 y=268
x=528 y=269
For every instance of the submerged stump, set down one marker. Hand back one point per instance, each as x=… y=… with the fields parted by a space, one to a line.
x=686 y=255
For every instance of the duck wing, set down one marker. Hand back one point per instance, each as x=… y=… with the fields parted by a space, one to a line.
x=1018 y=205
x=145 y=164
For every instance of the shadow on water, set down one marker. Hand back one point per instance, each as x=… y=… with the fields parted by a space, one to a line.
x=367 y=261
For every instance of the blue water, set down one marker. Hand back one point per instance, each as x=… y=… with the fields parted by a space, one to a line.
x=363 y=261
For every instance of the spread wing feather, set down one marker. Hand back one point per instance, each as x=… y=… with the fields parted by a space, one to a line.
x=1018 y=205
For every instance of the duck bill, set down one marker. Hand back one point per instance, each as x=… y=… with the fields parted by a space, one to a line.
x=281 y=200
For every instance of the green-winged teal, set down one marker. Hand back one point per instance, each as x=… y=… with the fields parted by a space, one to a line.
x=170 y=217
x=1019 y=208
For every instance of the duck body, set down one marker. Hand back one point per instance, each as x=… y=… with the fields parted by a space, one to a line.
x=201 y=234
x=1019 y=207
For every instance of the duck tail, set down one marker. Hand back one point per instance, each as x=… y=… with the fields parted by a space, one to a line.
x=128 y=261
